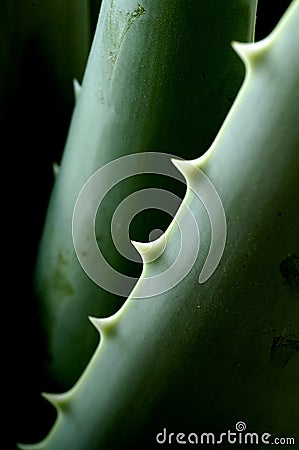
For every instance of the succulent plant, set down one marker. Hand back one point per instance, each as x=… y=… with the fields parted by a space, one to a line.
x=179 y=355
x=152 y=69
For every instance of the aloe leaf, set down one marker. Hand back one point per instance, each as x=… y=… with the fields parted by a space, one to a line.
x=161 y=76
x=202 y=357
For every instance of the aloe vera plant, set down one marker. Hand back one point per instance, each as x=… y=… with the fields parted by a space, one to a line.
x=201 y=357
x=155 y=81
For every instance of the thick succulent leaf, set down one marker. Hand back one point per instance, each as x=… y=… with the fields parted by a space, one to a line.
x=201 y=357
x=161 y=76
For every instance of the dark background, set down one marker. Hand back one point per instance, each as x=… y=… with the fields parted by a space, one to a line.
x=32 y=108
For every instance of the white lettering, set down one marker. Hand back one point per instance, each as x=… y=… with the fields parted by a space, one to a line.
x=208 y=436
x=222 y=435
x=231 y=437
x=252 y=436
x=179 y=438
x=163 y=434
x=265 y=438
x=195 y=438
x=170 y=436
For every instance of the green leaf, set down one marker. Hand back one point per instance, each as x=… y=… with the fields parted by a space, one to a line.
x=161 y=76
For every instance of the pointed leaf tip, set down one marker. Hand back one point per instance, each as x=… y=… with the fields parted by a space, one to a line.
x=252 y=53
x=77 y=88
x=150 y=251
x=56 y=169
x=30 y=447
x=142 y=247
x=187 y=168
x=57 y=400
x=104 y=326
